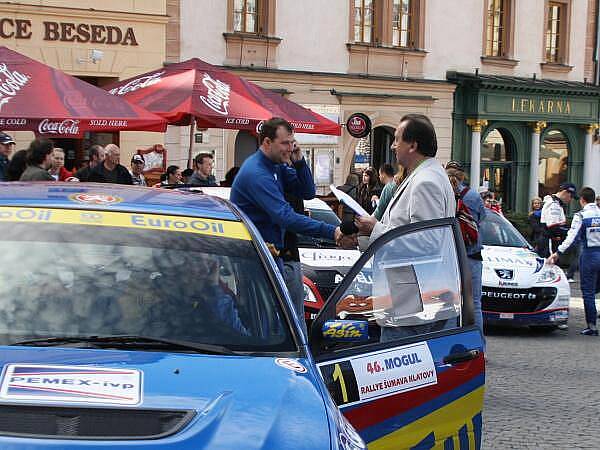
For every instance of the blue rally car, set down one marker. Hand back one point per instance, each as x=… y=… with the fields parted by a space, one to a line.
x=145 y=318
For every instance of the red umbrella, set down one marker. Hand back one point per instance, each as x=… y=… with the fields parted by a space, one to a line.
x=216 y=99
x=36 y=97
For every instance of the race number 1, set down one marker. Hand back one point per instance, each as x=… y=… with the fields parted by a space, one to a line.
x=340 y=381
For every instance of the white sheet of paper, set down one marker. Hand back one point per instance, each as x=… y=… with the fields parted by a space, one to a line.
x=349 y=201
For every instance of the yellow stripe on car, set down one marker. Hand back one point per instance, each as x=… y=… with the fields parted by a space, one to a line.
x=182 y=224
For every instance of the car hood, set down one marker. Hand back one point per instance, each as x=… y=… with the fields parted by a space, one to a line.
x=240 y=401
x=510 y=267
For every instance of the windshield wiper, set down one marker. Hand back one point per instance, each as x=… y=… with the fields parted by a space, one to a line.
x=134 y=341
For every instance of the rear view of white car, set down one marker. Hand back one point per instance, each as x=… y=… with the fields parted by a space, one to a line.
x=518 y=287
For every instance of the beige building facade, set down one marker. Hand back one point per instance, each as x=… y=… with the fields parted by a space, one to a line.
x=312 y=58
x=384 y=58
x=100 y=42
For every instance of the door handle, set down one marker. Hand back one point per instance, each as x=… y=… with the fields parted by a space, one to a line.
x=456 y=358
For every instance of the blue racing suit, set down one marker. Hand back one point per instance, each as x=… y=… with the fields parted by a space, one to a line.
x=586 y=227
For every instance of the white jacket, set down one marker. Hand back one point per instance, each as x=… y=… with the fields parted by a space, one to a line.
x=426 y=194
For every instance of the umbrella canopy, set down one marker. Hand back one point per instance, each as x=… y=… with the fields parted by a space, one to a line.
x=36 y=97
x=216 y=99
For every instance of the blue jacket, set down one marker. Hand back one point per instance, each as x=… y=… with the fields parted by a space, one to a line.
x=472 y=200
x=258 y=190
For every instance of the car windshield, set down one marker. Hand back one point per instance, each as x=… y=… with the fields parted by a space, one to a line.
x=497 y=231
x=86 y=273
x=322 y=215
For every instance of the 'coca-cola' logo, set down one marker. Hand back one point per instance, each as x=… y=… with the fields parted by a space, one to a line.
x=67 y=126
x=217 y=96
x=138 y=83
x=11 y=82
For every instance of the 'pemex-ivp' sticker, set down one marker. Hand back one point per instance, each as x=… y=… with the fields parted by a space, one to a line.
x=81 y=384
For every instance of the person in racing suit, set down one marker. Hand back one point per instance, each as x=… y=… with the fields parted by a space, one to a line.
x=586 y=228
x=553 y=217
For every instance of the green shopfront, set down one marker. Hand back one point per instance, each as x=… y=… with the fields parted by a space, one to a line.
x=522 y=138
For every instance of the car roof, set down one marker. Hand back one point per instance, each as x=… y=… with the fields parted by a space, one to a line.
x=225 y=192
x=127 y=198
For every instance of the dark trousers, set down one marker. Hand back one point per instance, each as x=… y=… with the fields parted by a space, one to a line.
x=589 y=272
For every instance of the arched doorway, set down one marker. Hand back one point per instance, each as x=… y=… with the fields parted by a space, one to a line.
x=381 y=147
x=245 y=145
x=497 y=166
x=554 y=162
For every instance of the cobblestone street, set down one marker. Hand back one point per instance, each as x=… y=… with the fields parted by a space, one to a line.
x=543 y=389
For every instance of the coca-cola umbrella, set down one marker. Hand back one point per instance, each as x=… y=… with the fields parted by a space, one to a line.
x=36 y=97
x=215 y=98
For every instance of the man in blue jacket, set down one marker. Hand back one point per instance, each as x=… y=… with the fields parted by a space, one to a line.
x=263 y=180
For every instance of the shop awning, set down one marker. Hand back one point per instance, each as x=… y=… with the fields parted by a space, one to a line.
x=36 y=97
x=215 y=98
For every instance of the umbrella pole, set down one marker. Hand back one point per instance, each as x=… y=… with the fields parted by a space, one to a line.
x=189 y=163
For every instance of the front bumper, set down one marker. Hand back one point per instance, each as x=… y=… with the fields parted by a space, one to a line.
x=556 y=316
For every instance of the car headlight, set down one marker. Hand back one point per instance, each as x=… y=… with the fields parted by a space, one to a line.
x=348 y=438
x=309 y=296
x=548 y=275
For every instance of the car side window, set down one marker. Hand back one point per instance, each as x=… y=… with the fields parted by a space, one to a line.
x=410 y=286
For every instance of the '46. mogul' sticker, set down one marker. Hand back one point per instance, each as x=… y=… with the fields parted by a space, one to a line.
x=379 y=374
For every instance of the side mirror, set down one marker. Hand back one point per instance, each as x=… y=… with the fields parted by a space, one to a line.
x=345 y=330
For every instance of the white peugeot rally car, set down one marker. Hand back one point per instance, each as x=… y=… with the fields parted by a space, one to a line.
x=518 y=287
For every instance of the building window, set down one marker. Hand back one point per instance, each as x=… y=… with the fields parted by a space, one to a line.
x=363 y=21
x=402 y=33
x=496 y=28
x=554 y=32
x=245 y=16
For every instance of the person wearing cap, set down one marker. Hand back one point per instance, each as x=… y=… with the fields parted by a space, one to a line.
x=111 y=171
x=585 y=228
x=202 y=176
x=137 y=169
x=95 y=156
x=7 y=144
x=553 y=216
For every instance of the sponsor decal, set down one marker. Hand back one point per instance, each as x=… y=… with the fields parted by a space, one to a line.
x=291 y=364
x=11 y=82
x=379 y=374
x=138 y=83
x=508 y=283
x=67 y=126
x=328 y=258
x=358 y=125
x=198 y=225
x=95 y=199
x=347 y=330
x=510 y=295
x=505 y=274
x=508 y=316
x=217 y=96
x=82 y=384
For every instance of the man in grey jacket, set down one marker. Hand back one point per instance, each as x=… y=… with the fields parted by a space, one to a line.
x=425 y=194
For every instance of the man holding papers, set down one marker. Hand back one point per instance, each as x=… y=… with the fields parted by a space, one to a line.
x=425 y=193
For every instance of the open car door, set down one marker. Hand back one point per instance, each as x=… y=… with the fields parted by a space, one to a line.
x=396 y=344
